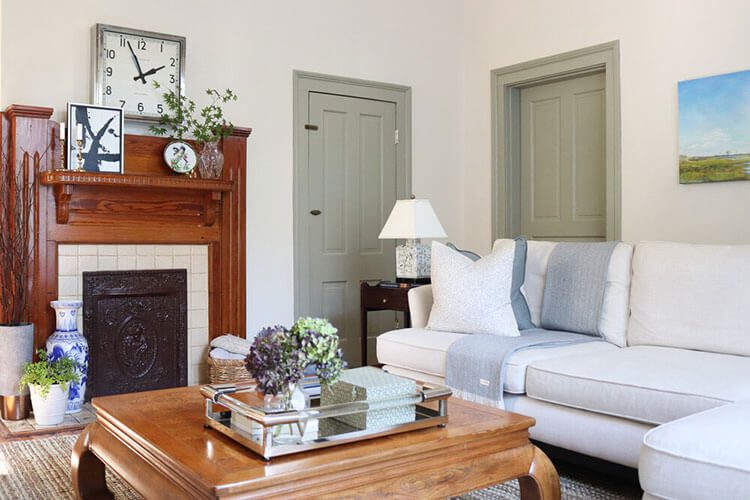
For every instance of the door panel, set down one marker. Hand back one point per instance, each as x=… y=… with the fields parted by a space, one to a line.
x=352 y=181
x=545 y=161
x=563 y=171
x=589 y=157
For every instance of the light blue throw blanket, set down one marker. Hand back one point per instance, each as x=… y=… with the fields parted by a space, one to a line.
x=574 y=286
x=475 y=368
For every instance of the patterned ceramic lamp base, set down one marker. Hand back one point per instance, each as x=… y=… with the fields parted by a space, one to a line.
x=412 y=261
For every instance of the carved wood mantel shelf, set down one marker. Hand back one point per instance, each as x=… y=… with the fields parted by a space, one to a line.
x=64 y=181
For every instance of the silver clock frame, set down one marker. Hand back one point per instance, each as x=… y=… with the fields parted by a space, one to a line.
x=98 y=62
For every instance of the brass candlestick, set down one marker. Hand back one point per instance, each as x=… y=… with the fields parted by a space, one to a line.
x=79 y=155
x=62 y=155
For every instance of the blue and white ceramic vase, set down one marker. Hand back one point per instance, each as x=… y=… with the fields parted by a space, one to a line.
x=67 y=340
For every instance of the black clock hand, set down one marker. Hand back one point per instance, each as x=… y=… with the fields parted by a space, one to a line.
x=137 y=64
x=149 y=72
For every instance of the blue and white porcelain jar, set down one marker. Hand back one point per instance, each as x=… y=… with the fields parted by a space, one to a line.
x=67 y=340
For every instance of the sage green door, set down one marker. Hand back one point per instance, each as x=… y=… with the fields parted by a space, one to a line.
x=563 y=169
x=351 y=191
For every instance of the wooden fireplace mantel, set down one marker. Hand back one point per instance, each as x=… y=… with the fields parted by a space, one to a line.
x=63 y=183
x=147 y=204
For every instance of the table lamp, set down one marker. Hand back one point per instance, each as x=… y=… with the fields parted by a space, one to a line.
x=411 y=220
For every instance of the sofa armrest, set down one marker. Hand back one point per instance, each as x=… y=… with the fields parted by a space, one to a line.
x=420 y=304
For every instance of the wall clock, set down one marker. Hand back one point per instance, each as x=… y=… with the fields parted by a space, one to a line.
x=128 y=61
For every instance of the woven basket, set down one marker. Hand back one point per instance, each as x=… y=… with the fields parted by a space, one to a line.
x=227 y=371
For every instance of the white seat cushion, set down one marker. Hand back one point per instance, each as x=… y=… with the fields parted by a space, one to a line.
x=425 y=351
x=703 y=456
x=648 y=384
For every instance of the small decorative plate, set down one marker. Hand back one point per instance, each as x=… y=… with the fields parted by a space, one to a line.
x=180 y=157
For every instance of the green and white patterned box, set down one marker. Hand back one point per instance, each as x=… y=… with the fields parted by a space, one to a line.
x=373 y=385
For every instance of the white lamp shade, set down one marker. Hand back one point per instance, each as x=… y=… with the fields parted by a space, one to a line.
x=412 y=219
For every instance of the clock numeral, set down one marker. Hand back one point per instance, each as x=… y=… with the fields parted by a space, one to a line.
x=142 y=44
x=140 y=107
x=172 y=79
x=160 y=108
x=108 y=90
x=111 y=54
x=108 y=71
x=122 y=41
x=122 y=103
x=162 y=46
x=172 y=61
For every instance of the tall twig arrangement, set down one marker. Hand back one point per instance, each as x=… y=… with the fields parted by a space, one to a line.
x=18 y=197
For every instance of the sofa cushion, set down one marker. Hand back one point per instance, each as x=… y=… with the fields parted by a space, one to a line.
x=703 y=456
x=615 y=309
x=691 y=296
x=648 y=384
x=518 y=300
x=472 y=297
x=425 y=351
x=537 y=256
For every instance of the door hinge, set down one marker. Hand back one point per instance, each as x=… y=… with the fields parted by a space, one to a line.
x=395 y=137
x=309 y=126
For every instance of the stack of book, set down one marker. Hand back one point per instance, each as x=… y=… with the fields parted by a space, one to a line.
x=311 y=385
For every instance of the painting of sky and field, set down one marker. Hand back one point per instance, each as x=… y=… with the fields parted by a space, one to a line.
x=715 y=128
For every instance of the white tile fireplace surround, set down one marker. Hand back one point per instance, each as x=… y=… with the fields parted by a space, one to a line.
x=74 y=260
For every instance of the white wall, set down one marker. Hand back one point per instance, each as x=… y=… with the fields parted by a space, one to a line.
x=661 y=43
x=253 y=47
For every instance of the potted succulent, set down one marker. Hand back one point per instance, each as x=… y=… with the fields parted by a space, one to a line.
x=208 y=127
x=48 y=380
x=17 y=188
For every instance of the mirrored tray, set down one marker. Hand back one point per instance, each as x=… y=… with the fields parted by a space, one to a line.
x=237 y=411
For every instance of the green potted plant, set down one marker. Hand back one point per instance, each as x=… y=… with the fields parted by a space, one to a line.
x=208 y=127
x=48 y=380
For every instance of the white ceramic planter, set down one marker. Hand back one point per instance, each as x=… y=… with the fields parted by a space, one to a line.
x=49 y=410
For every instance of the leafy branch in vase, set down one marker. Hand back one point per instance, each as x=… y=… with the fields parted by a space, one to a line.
x=208 y=125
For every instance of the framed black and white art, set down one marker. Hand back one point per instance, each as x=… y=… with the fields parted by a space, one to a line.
x=100 y=130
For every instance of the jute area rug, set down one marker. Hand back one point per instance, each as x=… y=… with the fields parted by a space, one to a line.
x=40 y=469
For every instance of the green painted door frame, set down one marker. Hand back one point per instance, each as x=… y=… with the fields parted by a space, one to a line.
x=506 y=126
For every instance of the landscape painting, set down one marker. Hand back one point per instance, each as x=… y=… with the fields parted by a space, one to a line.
x=715 y=128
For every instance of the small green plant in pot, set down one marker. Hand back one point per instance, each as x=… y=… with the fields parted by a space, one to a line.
x=207 y=127
x=48 y=383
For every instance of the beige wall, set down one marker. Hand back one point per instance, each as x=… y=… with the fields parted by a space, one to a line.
x=253 y=47
x=443 y=49
x=661 y=42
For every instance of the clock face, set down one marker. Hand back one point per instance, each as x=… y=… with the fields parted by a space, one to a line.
x=129 y=62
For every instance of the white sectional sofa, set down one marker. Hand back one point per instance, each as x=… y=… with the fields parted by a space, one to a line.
x=676 y=344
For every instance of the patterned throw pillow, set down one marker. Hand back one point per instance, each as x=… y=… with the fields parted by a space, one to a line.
x=472 y=297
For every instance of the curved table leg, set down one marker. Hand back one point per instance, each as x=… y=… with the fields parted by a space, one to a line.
x=86 y=470
x=542 y=481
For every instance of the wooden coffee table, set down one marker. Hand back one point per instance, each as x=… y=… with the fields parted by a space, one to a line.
x=156 y=441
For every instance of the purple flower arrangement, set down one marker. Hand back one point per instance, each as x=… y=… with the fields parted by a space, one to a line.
x=278 y=357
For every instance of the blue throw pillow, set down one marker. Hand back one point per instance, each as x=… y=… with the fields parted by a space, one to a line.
x=520 y=307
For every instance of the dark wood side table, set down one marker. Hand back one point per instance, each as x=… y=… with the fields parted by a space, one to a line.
x=380 y=298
